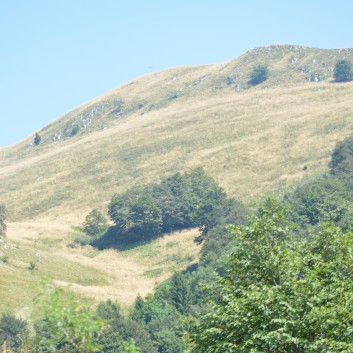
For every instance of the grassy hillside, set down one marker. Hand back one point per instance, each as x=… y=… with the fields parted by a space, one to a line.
x=93 y=275
x=252 y=140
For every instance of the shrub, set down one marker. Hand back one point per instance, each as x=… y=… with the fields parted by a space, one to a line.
x=67 y=326
x=259 y=74
x=37 y=139
x=14 y=331
x=75 y=130
x=95 y=223
x=343 y=71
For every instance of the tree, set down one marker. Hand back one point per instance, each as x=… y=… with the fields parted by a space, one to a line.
x=3 y=226
x=163 y=322
x=343 y=71
x=67 y=326
x=37 y=139
x=136 y=211
x=123 y=332
x=281 y=294
x=259 y=74
x=319 y=200
x=180 y=293
x=341 y=163
x=13 y=331
x=95 y=223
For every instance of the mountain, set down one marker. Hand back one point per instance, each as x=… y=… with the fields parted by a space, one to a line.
x=251 y=139
x=254 y=140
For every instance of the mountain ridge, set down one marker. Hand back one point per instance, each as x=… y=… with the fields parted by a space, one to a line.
x=253 y=140
x=174 y=106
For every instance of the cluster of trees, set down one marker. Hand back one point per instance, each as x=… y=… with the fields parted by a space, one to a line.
x=67 y=326
x=279 y=282
x=281 y=293
x=180 y=201
x=329 y=197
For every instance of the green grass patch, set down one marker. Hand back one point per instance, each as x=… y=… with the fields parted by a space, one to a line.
x=156 y=272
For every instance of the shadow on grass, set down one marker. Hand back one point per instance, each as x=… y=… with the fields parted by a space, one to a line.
x=115 y=239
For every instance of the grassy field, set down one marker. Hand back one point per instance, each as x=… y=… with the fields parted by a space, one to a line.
x=253 y=140
x=31 y=264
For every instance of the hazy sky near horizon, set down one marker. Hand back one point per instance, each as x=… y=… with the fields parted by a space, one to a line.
x=56 y=55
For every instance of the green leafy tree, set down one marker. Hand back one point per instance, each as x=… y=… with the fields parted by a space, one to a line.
x=37 y=139
x=163 y=321
x=123 y=332
x=318 y=201
x=180 y=293
x=95 y=223
x=13 y=331
x=67 y=326
x=258 y=75
x=281 y=294
x=343 y=71
x=136 y=211
x=178 y=202
x=341 y=164
x=3 y=226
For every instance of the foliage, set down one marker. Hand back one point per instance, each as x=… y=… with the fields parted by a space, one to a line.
x=320 y=200
x=180 y=293
x=281 y=294
x=341 y=164
x=95 y=223
x=163 y=322
x=32 y=266
x=178 y=202
x=3 y=214
x=123 y=334
x=67 y=326
x=137 y=212
x=14 y=331
x=258 y=74
x=343 y=71
x=37 y=139
x=75 y=130
x=327 y=198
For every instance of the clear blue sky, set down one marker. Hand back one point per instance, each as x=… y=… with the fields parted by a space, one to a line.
x=58 y=54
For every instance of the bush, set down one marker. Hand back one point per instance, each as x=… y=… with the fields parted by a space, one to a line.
x=95 y=223
x=259 y=74
x=67 y=326
x=75 y=130
x=343 y=71
x=37 y=139
x=14 y=331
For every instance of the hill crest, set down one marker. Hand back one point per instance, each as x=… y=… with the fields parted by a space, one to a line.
x=180 y=118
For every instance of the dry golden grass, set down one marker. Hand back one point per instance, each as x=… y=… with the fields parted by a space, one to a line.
x=252 y=140
x=252 y=143
x=93 y=275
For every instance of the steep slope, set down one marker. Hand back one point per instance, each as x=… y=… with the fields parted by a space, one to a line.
x=251 y=139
